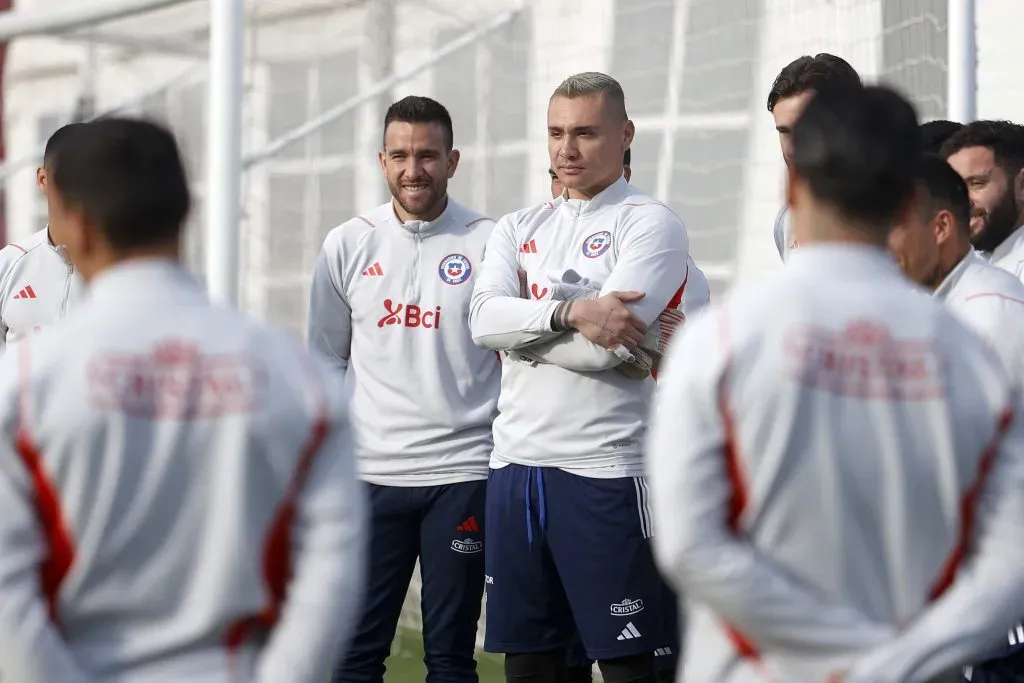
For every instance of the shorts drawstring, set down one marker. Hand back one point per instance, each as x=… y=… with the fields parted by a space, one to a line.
x=542 y=517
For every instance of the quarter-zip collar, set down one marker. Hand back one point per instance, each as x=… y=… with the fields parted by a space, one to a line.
x=152 y=279
x=949 y=282
x=422 y=229
x=609 y=196
x=1010 y=245
x=58 y=249
x=844 y=260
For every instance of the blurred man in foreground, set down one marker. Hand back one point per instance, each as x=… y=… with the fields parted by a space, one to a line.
x=818 y=449
x=792 y=89
x=989 y=156
x=38 y=285
x=178 y=499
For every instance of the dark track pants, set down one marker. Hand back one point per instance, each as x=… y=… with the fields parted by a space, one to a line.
x=442 y=526
x=1005 y=665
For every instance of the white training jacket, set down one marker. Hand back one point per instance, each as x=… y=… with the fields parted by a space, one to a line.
x=37 y=286
x=389 y=306
x=573 y=410
x=178 y=496
x=1010 y=254
x=990 y=301
x=837 y=480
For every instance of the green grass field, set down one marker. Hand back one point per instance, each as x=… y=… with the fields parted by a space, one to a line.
x=405 y=665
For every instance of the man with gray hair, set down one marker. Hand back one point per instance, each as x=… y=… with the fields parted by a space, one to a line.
x=567 y=523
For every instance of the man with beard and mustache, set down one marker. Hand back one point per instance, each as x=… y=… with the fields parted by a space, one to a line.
x=989 y=156
x=388 y=309
x=934 y=249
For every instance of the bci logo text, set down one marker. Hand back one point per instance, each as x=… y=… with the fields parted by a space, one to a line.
x=410 y=315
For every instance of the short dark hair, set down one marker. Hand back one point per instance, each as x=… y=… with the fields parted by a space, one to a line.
x=415 y=109
x=1004 y=138
x=859 y=151
x=127 y=176
x=946 y=190
x=935 y=133
x=812 y=73
x=54 y=142
x=626 y=157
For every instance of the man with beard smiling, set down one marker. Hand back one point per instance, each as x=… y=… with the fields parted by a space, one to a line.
x=388 y=309
x=989 y=156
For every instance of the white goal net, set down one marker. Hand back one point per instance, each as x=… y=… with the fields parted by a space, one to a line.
x=696 y=75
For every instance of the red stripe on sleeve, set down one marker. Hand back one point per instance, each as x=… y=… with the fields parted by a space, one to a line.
x=674 y=303
x=730 y=451
x=60 y=550
x=277 y=550
x=968 y=507
x=739 y=494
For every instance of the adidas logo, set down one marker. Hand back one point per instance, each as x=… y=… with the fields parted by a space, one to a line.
x=374 y=270
x=663 y=652
x=26 y=293
x=469 y=525
x=530 y=247
x=629 y=633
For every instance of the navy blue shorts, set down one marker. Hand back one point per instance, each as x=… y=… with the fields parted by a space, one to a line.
x=1004 y=664
x=563 y=548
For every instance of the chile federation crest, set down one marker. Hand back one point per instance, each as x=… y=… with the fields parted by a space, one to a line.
x=597 y=244
x=455 y=269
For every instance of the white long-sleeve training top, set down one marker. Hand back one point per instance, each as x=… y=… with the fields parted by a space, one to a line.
x=990 y=301
x=37 y=286
x=1010 y=254
x=178 y=495
x=837 y=479
x=389 y=307
x=573 y=410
